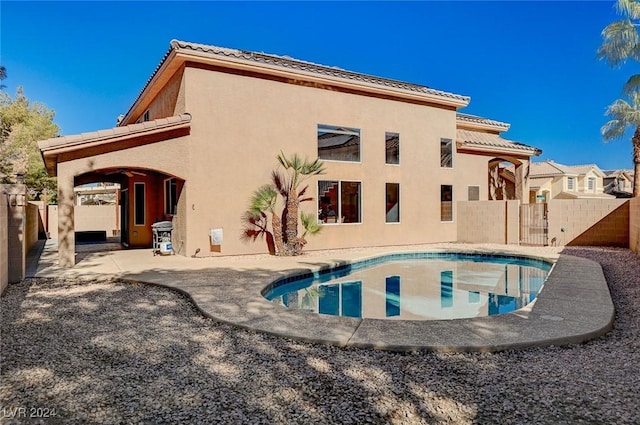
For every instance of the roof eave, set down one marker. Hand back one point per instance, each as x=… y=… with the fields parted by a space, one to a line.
x=481 y=148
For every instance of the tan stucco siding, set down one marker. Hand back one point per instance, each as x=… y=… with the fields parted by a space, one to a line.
x=240 y=124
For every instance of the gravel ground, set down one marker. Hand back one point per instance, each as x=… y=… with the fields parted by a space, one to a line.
x=114 y=352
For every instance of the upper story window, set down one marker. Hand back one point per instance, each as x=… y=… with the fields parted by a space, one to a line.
x=392 y=146
x=446 y=153
x=145 y=117
x=591 y=184
x=571 y=183
x=338 y=143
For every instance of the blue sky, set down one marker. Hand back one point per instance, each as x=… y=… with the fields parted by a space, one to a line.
x=531 y=64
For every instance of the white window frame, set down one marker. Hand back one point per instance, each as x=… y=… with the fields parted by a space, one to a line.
x=571 y=184
x=339 y=206
x=335 y=129
x=452 y=205
x=450 y=141
x=591 y=184
x=385 y=203
x=385 y=149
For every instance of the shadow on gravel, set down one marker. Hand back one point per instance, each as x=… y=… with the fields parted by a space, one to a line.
x=114 y=352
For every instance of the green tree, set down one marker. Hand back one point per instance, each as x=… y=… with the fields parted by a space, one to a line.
x=22 y=124
x=286 y=182
x=626 y=115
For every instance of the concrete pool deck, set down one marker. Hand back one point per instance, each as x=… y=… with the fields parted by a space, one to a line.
x=574 y=306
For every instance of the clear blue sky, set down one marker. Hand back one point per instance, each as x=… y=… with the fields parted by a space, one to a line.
x=531 y=64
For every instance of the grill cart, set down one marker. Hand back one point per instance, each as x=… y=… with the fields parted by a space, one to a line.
x=162 y=237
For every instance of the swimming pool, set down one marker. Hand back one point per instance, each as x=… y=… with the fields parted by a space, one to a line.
x=416 y=286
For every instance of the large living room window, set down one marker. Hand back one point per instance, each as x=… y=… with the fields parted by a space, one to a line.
x=446 y=203
x=392 y=146
x=446 y=153
x=338 y=143
x=339 y=201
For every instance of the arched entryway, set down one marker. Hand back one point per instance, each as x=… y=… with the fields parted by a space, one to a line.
x=508 y=179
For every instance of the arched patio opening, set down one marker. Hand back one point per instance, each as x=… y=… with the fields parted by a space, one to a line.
x=120 y=204
x=508 y=179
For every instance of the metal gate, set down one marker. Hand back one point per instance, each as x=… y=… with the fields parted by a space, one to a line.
x=534 y=224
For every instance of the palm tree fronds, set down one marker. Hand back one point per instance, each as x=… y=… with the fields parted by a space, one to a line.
x=632 y=85
x=628 y=8
x=620 y=41
x=310 y=224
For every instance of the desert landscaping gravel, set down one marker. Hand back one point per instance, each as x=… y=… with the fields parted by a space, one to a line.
x=109 y=352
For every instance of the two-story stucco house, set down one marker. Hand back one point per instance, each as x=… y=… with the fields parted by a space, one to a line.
x=550 y=180
x=204 y=134
x=619 y=183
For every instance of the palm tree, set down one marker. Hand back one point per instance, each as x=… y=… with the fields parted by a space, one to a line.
x=297 y=171
x=263 y=201
x=624 y=115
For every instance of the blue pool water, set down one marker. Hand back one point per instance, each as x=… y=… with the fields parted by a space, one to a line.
x=416 y=286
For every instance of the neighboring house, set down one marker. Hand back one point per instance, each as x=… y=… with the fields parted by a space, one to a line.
x=204 y=134
x=619 y=183
x=550 y=180
x=97 y=194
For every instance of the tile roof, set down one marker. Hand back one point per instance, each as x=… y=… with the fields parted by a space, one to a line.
x=551 y=168
x=480 y=120
x=286 y=62
x=479 y=138
x=123 y=131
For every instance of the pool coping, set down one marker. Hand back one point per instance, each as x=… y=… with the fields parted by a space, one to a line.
x=574 y=306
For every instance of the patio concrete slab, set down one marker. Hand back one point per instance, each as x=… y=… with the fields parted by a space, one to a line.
x=574 y=305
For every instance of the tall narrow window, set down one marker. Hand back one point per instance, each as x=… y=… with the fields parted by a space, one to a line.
x=446 y=153
x=392 y=145
x=338 y=143
x=591 y=182
x=446 y=203
x=571 y=183
x=170 y=196
x=393 y=203
x=138 y=204
x=338 y=201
